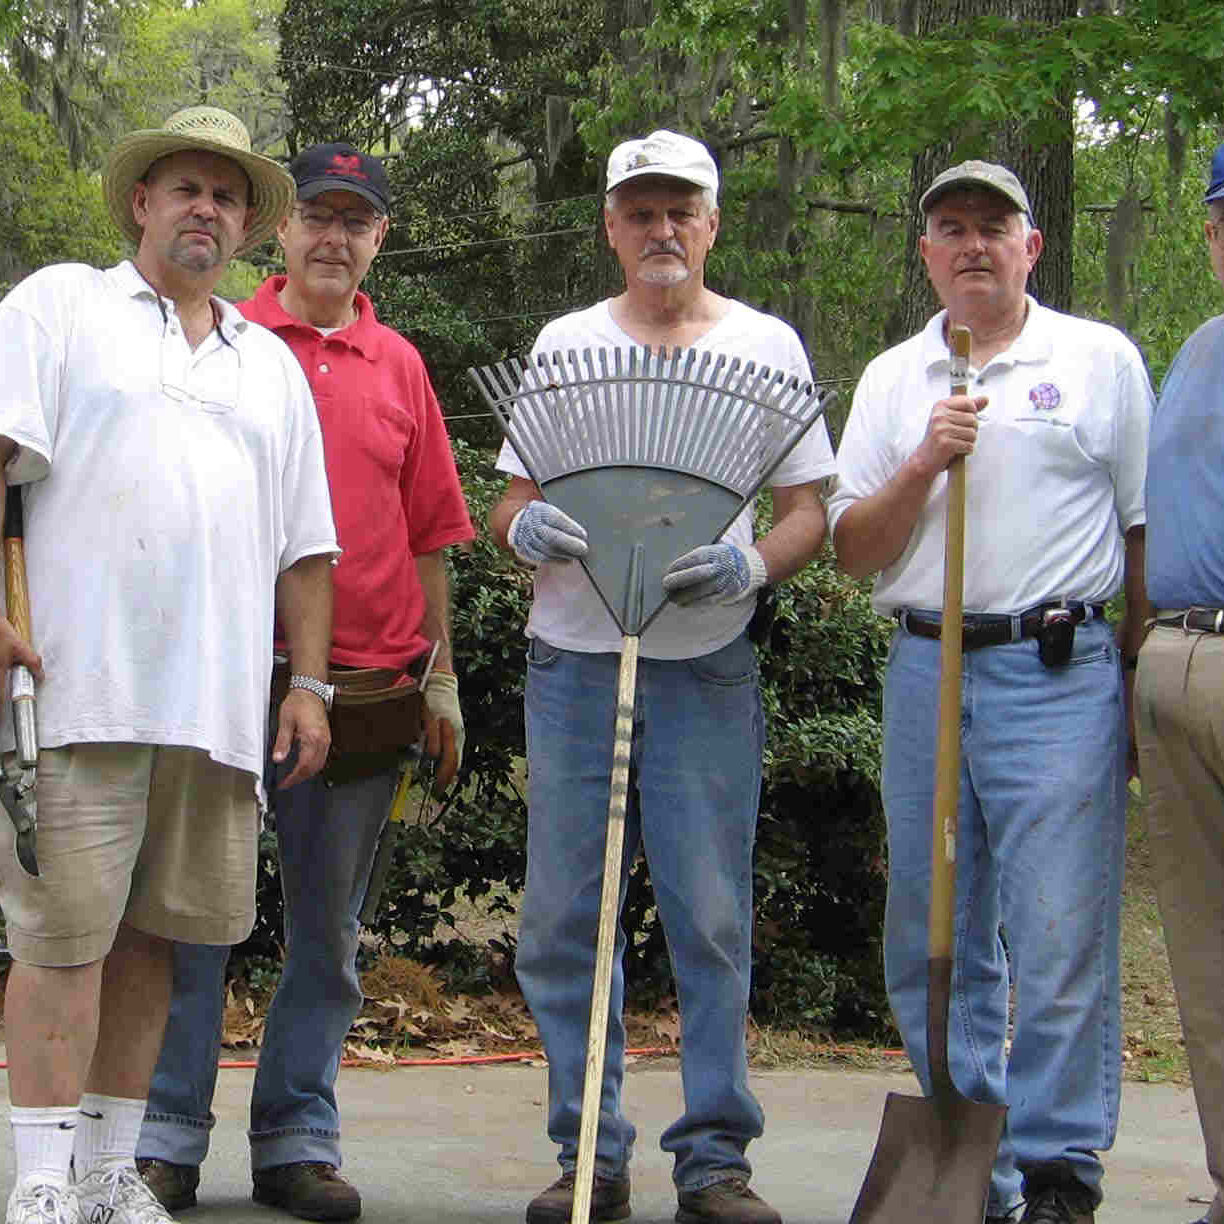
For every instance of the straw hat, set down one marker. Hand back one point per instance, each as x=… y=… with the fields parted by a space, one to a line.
x=212 y=130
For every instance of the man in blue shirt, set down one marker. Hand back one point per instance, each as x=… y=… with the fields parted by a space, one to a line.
x=1179 y=691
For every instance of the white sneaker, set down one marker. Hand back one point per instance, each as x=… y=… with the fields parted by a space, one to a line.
x=118 y=1195
x=36 y=1202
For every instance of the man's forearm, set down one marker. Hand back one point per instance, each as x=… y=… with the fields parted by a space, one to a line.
x=797 y=533
x=1132 y=629
x=304 y=609
x=431 y=569
x=873 y=532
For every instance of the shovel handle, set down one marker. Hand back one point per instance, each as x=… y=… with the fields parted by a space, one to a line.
x=948 y=748
x=16 y=593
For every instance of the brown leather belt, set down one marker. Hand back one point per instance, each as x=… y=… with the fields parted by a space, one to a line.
x=1192 y=620
x=993 y=628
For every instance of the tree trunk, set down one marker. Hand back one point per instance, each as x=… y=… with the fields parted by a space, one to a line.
x=1047 y=171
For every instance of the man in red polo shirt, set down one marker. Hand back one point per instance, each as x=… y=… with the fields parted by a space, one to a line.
x=397 y=505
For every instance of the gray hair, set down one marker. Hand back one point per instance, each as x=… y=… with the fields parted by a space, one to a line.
x=708 y=198
x=1026 y=224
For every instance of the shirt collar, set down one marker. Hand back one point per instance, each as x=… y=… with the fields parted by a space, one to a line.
x=128 y=279
x=361 y=334
x=1034 y=344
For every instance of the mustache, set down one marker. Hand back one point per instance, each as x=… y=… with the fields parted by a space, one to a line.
x=669 y=247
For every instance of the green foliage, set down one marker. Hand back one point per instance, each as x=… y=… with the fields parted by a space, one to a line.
x=48 y=211
x=819 y=873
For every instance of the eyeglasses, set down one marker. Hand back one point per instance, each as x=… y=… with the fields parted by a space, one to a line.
x=318 y=219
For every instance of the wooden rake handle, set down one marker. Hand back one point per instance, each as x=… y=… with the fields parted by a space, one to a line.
x=609 y=905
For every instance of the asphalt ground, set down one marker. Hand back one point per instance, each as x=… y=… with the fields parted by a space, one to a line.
x=467 y=1145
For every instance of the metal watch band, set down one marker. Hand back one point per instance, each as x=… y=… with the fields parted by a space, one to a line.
x=323 y=691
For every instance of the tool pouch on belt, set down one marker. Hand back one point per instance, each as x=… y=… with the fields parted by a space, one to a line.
x=375 y=718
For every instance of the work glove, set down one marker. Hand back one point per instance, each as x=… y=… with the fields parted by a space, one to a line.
x=714 y=574
x=540 y=532
x=443 y=726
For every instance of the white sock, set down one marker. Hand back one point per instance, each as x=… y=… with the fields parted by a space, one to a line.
x=107 y=1132
x=43 y=1141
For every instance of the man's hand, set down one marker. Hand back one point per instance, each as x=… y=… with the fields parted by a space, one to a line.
x=302 y=718
x=443 y=726
x=14 y=649
x=951 y=431
x=714 y=574
x=540 y=532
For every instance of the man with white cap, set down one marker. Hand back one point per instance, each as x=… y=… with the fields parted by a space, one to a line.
x=1180 y=677
x=698 y=735
x=175 y=499
x=1055 y=428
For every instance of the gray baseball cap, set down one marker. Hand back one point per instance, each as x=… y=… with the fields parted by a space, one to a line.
x=998 y=179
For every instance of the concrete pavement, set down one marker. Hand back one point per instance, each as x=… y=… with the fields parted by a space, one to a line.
x=466 y=1145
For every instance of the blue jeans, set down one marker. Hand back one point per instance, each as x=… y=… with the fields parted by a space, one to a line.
x=326 y=837
x=695 y=779
x=1039 y=852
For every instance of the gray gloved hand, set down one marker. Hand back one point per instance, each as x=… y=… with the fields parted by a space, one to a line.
x=540 y=532
x=714 y=574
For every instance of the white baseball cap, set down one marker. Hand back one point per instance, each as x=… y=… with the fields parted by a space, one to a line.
x=667 y=154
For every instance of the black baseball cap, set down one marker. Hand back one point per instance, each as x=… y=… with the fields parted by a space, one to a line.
x=340 y=167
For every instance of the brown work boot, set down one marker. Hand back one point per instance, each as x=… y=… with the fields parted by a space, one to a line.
x=609 y=1200
x=725 y=1202
x=173 y=1185
x=308 y=1189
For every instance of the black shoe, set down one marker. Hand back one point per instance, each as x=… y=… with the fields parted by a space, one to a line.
x=725 y=1202
x=1053 y=1196
x=173 y=1185
x=308 y=1189
x=609 y=1200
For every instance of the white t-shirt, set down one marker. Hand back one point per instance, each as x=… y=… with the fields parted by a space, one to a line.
x=566 y=610
x=165 y=491
x=1055 y=478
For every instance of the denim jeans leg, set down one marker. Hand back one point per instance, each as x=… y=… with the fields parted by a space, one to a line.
x=570 y=712
x=1048 y=755
x=178 y=1115
x=326 y=837
x=977 y=1020
x=700 y=782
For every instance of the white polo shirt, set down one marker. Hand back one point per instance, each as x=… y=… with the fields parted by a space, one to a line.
x=1055 y=479
x=566 y=610
x=166 y=488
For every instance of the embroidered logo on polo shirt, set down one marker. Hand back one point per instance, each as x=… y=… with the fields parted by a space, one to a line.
x=1045 y=397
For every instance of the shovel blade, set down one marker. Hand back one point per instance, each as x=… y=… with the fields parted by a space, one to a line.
x=932 y=1161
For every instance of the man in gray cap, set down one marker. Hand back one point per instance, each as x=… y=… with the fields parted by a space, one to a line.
x=1055 y=428
x=696 y=770
x=175 y=501
x=1177 y=692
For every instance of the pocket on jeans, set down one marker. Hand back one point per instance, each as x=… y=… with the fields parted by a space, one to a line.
x=734 y=664
x=541 y=653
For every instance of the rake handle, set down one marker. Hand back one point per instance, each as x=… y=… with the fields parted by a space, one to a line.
x=609 y=905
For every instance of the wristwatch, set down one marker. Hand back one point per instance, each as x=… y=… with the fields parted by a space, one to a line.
x=325 y=692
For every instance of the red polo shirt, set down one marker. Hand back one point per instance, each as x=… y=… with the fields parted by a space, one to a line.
x=395 y=491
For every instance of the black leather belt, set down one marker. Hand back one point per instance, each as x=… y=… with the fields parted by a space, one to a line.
x=993 y=628
x=1192 y=620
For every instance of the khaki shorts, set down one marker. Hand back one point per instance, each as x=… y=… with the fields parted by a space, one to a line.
x=164 y=838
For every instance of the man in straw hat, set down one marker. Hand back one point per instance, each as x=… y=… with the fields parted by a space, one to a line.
x=1055 y=428
x=699 y=736
x=398 y=505
x=175 y=499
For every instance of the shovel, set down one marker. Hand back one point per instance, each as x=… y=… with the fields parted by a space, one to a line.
x=933 y=1157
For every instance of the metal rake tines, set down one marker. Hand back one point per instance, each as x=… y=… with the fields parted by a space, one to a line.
x=698 y=412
